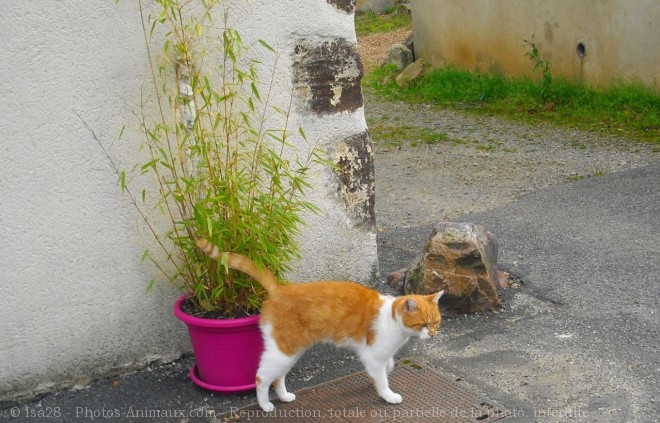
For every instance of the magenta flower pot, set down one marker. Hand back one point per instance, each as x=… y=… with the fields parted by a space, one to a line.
x=227 y=351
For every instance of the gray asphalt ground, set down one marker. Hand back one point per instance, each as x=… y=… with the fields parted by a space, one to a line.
x=577 y=340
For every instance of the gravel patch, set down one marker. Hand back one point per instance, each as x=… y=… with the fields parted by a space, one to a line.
x=373 y=48
x=482 y=162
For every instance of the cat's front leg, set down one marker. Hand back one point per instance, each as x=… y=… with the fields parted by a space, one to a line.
x=378 y=373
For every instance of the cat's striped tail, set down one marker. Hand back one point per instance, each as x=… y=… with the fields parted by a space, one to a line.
x=239 y=262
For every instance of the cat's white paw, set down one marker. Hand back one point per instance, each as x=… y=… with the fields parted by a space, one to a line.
x=392 y=397
x=268 y=407
x=288 y=397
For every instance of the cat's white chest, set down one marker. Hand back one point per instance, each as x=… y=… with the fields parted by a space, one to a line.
x=390 y=332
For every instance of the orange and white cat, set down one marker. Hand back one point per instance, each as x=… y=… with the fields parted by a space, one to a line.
x=296 y=316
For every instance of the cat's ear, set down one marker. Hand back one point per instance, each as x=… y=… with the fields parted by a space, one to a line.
x=410 y=305
x=436 y=297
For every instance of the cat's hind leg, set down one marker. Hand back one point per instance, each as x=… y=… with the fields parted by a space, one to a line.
x=280 y=390
x=273 y=368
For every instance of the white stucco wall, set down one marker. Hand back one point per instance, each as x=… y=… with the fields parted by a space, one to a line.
x=72 y=290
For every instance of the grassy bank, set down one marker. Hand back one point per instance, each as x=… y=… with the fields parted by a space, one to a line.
x=629 y=110
x=370 y=23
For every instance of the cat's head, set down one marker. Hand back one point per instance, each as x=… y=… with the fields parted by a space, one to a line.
x=419 y=314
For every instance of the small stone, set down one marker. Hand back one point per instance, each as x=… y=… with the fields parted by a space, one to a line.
x=412 y=72
x=399 y=55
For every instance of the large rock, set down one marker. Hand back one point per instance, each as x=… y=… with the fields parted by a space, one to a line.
x=460 y=258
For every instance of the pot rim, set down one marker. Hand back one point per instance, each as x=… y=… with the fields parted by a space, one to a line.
x=210 y=323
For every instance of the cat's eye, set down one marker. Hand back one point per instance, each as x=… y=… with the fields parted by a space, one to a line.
x=424 y=325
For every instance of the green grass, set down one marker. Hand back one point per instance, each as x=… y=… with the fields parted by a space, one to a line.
x=395 y=135
x=369 y=23
x=630 y=110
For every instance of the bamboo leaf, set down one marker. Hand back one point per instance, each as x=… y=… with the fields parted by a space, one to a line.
x=153 y=27
x=167 y=165
x=255 y=91
x=207 y=305
x=122 y=180
x=209 y=226
x=224 y=261
x=146 y=166
x=217 y=291
x=265 y=44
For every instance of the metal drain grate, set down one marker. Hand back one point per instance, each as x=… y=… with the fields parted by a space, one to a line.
x=427 y=396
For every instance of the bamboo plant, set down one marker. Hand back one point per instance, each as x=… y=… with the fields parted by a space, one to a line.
x=220 y=171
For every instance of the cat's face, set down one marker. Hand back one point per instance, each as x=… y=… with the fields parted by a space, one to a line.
x=420 y=314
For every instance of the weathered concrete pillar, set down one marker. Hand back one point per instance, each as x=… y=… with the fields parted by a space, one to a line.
x=326 y=75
